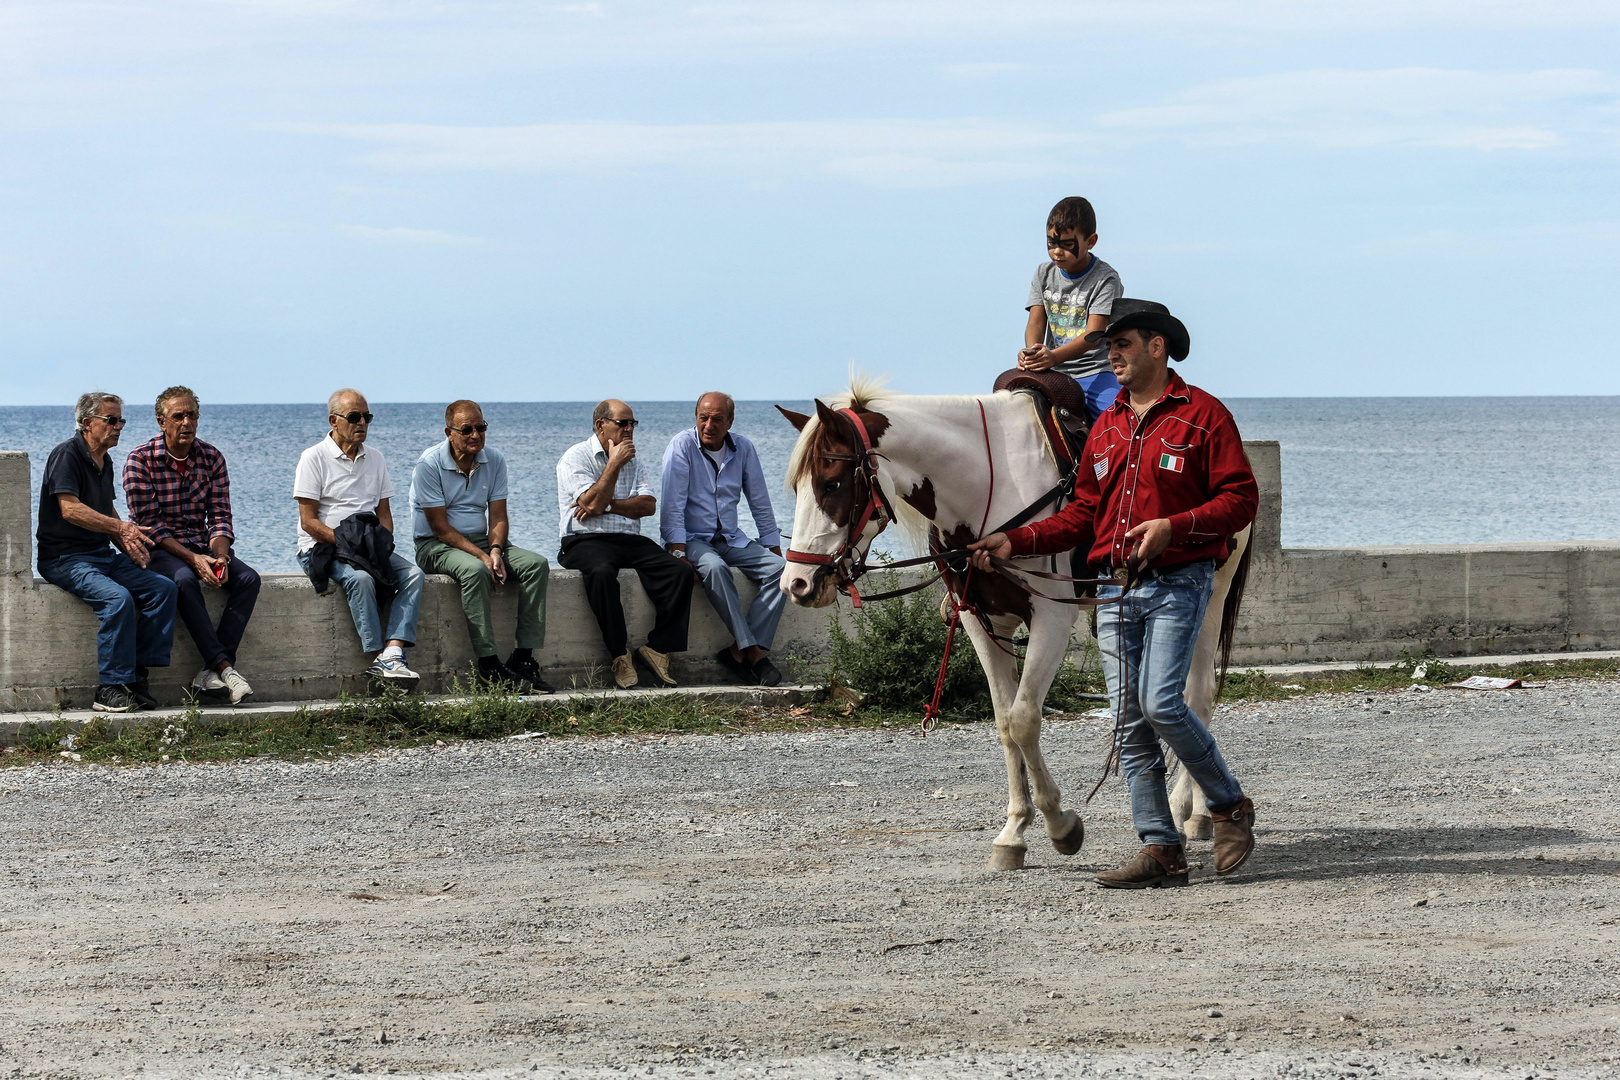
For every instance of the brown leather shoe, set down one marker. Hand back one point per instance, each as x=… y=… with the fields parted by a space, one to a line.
x=655 y=662
x=1155 y=867
x=1234 y=835
x=624 y=672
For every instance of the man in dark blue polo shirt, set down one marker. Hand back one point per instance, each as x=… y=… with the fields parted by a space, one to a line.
x=76 y=519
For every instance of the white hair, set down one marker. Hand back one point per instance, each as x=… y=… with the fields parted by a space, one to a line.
x=336 y=399
x=89 y=403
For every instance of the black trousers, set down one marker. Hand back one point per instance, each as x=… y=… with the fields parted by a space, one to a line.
x=241 y=593
x=667 y=580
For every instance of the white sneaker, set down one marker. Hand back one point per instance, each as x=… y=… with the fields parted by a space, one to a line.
x=237 y=685
x=209 y=686
x=394 y=670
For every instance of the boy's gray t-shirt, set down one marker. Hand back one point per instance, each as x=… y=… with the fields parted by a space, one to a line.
x=1069 y=302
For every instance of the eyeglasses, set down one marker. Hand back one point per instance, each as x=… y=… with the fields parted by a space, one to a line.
x=182 y=416
x=1054 y=244
x=114 y=421
x=468 y=429
x=631 y=424
x=354 y=417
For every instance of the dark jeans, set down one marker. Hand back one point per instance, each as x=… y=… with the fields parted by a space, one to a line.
x=667 y=580
x=241 y=593
x=135 y=608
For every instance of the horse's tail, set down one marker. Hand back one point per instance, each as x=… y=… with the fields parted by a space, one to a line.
x=1234 y=601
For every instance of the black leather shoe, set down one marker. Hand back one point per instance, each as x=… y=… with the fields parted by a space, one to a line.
x=739 y=668
x=765 y=672
x=140 y=691
x=494 y=675
x=528 y=669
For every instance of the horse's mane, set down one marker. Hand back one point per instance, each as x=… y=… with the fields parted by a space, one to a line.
x=866 y=392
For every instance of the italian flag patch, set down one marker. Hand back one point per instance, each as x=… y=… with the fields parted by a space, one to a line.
x=1171 y=462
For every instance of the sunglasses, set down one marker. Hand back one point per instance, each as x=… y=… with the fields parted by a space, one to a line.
x=354 y=417
x=468 y=429
x=1054 y=244
x=115 y=421
x=631 y=424
x=182 y=416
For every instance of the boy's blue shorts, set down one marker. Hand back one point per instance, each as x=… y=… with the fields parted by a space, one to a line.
x=1100 y=390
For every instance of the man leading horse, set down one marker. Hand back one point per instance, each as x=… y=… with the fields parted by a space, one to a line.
x=1163 y=486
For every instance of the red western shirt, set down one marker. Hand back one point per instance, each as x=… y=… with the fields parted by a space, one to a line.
x=1183 y=460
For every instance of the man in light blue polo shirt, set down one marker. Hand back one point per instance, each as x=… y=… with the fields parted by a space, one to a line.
x=458 y=491
x=707 y=472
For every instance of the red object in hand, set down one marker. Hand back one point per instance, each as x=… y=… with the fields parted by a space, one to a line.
x=219 y=571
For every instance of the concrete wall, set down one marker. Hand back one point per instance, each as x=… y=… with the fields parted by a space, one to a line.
x=301 y=646
x=1303 y=604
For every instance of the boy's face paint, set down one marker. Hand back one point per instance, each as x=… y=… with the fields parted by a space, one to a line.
x=1068 y=250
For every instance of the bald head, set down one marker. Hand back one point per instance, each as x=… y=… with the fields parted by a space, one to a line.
x=715 y=413
x=605 y=421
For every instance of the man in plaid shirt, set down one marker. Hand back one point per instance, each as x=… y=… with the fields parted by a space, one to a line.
x=178 y=489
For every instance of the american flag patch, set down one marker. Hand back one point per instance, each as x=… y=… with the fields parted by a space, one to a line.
x=1100 y=468
x=1171 y=462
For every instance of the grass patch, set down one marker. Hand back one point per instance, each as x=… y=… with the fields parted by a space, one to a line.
x=365 y=724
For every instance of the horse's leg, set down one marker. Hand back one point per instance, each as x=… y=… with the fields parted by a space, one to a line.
x=1048 y=644
x=1187 y=804
x=1001 y=671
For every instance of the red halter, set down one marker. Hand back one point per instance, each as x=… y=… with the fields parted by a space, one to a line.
x=848 y=562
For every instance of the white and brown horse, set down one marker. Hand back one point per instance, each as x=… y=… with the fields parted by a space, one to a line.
x=949 y=465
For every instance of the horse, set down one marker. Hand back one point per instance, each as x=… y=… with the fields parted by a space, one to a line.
x=952 y=469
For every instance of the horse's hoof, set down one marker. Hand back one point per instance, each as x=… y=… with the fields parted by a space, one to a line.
x=1198 y=827
x=1069 y=843
x=1007 y=858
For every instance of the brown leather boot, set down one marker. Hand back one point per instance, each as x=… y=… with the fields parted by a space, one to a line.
x=1155 y=867
x=1234 y=835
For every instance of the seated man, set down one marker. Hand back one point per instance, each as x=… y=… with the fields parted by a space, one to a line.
x=342 y=485
x=458 y=491
x=603 y=495
x=76 y=519
x=707 y=470
x=179 y=491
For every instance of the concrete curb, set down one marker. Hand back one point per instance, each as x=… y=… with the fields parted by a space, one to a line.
x=1310 y=670
x=774 y=696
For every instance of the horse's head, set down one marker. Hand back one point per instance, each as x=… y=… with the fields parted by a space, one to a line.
x=835 y=496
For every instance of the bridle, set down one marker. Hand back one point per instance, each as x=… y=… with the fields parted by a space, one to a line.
x=848 y=563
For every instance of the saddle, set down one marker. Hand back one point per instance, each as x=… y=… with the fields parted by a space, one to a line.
x=1061 y=405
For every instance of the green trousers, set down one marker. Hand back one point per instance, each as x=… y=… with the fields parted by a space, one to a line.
x=527 y=570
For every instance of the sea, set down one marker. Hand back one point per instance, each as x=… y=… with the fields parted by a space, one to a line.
x=1356 y=471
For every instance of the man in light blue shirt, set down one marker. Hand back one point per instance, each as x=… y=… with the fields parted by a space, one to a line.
x=707 y=471
x=458 y=492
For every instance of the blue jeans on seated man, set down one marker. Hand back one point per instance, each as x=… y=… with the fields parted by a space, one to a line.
x=135 y=607
x=714 y=563
x=362 y=593
x=1158 y=622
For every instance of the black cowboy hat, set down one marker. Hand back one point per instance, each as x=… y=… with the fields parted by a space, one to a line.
x=1147 y=315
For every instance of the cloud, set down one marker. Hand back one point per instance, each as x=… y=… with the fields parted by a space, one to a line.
x=412 y=237
x=1337 y=108
x=879 y=153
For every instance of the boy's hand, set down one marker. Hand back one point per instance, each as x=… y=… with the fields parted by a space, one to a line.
x=1036 y=358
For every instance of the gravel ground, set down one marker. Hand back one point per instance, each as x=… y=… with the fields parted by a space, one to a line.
x=1434 y=894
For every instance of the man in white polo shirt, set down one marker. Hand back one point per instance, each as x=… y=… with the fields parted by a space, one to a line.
x=339 y=478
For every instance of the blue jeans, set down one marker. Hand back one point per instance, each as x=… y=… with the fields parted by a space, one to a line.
x=1100 y=390
x=1158 y=623
x=135 y=607
x=714 y=563
x=362 y=593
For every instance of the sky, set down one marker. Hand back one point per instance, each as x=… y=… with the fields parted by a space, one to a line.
x=268 y=199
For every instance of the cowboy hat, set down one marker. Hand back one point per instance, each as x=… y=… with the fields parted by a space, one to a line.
x=1147 y=315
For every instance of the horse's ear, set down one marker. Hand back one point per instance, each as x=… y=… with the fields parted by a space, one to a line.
x=827 y=416
x=797 y=419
